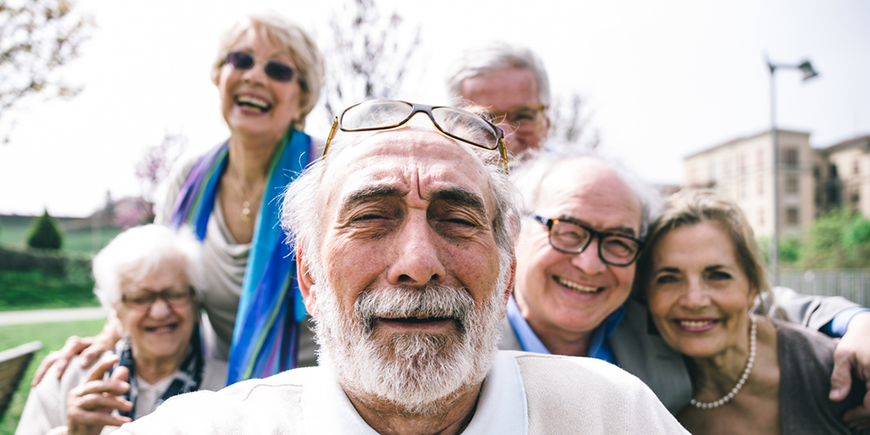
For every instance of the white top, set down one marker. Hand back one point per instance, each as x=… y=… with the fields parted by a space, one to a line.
x=523 y=394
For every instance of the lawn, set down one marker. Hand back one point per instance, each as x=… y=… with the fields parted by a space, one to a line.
x=79 y=235
x=52 y=336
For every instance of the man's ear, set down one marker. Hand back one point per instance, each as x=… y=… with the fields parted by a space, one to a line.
x=307 y=286
x=510 y=282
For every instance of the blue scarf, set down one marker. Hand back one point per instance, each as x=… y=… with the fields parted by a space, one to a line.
x=265 y=335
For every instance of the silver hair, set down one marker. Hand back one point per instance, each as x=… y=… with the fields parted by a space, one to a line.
x=289 y=37
x=530 y=174
x=302 y=210
x=138 y=252
x=494 y=57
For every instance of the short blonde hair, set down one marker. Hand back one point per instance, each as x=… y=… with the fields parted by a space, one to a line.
x=289 y=37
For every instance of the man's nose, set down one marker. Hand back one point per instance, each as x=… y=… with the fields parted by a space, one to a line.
x=417 y=257
x=589 y=261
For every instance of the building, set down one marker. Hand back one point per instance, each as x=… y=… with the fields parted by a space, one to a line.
x=844 y=175
x=742 y=170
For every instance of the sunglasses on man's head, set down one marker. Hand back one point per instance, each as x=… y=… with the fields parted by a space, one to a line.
x=274 y=70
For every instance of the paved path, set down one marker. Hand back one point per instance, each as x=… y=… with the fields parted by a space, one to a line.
x=46 y=316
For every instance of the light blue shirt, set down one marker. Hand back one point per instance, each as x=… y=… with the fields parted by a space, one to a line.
x=599 y=347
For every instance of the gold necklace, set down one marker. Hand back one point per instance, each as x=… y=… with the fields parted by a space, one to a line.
x=246 y=205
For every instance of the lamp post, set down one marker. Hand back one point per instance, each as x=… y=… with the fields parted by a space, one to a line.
x=807 y=68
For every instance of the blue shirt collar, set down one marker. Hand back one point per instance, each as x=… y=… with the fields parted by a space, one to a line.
x=599 y=347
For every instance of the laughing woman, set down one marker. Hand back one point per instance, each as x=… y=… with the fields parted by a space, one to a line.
x=268 y=74
x=148 y=276
x=750 y=374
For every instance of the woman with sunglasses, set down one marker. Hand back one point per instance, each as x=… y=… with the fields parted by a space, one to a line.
x=268 y=74
x=147 y=276
x=701 y=274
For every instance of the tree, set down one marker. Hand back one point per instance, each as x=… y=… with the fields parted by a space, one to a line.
x=368 y=56
x=37 y=37
x=572 y=122
x=837 y=240
x=153 y=167
x=45 y=233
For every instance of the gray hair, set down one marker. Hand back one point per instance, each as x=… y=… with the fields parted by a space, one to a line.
x=293 y=40
x=302 y=210
x=494 y=57
x=138 y=252
x=530 y=174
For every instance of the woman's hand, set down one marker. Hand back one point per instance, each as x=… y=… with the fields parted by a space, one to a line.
x=88 y=349
x=90 y=405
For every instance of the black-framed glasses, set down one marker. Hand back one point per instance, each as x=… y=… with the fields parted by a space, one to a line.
x=274 y=70
x=571 y=237
x=458 y=124
x=521 y=118
x=142 y=299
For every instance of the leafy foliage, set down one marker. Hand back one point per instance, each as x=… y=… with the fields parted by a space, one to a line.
x=839 y=239
x=367 y=59
x=36 y=38
x=45 y=233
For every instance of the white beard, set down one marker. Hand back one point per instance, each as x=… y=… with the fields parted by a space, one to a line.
x=419 y=372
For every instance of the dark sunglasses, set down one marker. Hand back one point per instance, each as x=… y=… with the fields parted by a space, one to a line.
x=458 y=124
x=274 y=70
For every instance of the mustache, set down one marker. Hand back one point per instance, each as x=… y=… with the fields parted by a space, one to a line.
x=431 y=301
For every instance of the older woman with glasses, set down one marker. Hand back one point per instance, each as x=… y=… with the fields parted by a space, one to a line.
x=701 y=274
x=147 y=276
x=268 y=74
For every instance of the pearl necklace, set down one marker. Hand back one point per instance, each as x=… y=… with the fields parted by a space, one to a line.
x=727 y=398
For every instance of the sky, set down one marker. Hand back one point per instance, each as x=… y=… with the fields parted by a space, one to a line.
x=664 y=79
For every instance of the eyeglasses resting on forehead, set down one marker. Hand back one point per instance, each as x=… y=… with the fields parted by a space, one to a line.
x=274 y=70
x=454 y=123
x=571 y=237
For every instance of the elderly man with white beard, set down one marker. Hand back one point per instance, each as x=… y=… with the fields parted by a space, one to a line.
x=404 y=237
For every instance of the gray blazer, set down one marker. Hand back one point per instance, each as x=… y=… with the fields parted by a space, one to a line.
x=641 y=351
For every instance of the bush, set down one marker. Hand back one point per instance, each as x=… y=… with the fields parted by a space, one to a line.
x=45 y=233
x=44 y=279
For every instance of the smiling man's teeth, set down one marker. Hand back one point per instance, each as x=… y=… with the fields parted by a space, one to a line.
x=575 y=286
x=695 y=323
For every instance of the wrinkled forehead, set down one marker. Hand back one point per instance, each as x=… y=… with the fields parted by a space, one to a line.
x=406 y=159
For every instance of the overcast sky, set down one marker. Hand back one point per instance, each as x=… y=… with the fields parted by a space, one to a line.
x=664 y=78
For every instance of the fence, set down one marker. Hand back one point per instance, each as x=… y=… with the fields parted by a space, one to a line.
x=852 y=284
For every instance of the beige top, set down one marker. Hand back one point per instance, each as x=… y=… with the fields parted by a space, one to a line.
x=524 y=393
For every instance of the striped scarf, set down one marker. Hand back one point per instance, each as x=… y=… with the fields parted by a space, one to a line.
x=265 y=335
x=187 y=379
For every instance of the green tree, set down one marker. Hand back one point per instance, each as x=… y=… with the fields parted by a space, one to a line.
x=837 y=240
x=45 y=233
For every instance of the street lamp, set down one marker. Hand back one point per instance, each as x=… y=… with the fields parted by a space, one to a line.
x=807 y=68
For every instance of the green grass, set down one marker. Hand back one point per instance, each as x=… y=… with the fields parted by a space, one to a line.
x=78 y=234
x=52 y=336
x=33 y=290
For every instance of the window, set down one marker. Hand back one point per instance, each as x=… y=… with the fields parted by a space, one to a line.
x=790 y=157
x=791 y=215
x=832 y=171
x=857 y=167
x=817 y=172
x=760 y=159
x=742 y=163
x=760 y=186
x=791 y=184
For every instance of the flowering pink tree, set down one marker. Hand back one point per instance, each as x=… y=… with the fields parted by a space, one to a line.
x=151 y=170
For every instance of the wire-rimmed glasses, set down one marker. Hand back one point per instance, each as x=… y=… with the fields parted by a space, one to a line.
x=142 y=299
x=458 y=124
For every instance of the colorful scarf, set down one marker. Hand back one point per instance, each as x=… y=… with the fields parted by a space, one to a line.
x=265 y=335
x=188 y=378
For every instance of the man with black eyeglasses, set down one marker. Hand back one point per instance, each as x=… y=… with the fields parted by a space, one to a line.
x=583 y=231
x=511 y=83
